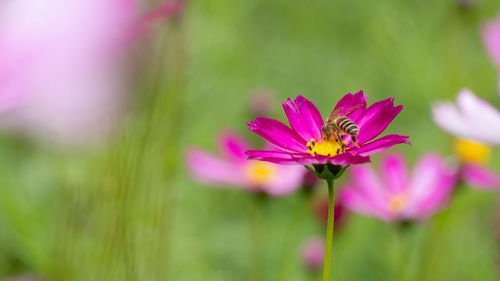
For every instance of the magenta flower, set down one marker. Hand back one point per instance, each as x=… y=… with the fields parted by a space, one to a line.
x=63 y=65
x=233 y=169
x=394 y=194
x=471 y=118
x=303 y=143
x=313 y=253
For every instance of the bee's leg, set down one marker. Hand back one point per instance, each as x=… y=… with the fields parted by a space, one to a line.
x=341 y=142
x=354 y=141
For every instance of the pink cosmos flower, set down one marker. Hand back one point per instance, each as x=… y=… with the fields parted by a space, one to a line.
x=313 y=253
x=63 y=72
x=490 y=32
x=394 y=194
x=303 y=142
x=233 y=169
x=471 y=118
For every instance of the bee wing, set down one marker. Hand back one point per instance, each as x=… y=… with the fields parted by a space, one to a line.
x=338 y=111
x=352 y=109
x=335 y=113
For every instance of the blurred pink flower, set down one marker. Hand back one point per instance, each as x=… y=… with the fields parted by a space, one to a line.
x=313 y=253
x=321 y=212
x=261 y=101
x=471 y=118
x=304 y=143
x=63 y=75
x=490 y=32
x=233 y=169
x=394 y=195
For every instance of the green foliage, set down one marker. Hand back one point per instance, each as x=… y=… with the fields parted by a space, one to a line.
x=130 y=211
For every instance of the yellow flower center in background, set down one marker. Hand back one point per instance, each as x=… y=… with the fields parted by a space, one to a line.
x=324 y=147
x=397 y=203
x=260 y=172
x=471 y=151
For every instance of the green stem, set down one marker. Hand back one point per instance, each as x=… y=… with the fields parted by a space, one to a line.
x=327 y=266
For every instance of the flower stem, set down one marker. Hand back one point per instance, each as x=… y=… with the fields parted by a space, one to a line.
x=329 y=231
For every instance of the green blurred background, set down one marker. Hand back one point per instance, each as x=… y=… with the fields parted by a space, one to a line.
x=129 y=210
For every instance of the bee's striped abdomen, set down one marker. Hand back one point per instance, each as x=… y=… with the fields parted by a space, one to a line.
x=347 y=126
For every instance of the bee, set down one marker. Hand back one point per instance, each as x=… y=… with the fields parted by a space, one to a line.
x=339 y=125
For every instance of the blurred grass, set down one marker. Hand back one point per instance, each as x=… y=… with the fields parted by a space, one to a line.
x=129 y=211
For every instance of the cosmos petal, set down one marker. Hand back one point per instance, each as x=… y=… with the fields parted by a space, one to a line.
x=282 y=157
x=375 y=119
x=350 y=100
x=233 y=146
x=212 y=170
x=357 y=201
x=394 y=171
x=278 y=134
x=480 y=177
x=480 y=116
x=448 y=118
x=304 y=117
x=380 y=145
x=289 y=179
x=432 y=183
x=490 y=33
x=471 y=118
x=279 y=157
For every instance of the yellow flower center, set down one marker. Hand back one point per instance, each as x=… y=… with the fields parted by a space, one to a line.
x=471 y=151
x=397 y=203
x=324 y=147
x=260 y=172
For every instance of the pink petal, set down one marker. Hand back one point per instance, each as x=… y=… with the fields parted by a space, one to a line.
x=365 y=193
x=480 y=177
x=67 y=67
x=278 y=134
x=343 y=159
x=350 y=100
x=288 y=179
x=355 y=200
x=347 y=158
x=282 y=157
x=233 y=146
x=379 y=145
x=432 y=183
x=490 y=34
x=394 y=171
x=480 y=116
x=472 y=118
x=448 y=118
x=279 y=157
x=212 y=170
x=304 y=117
x=376 y=118
x=364 y=178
